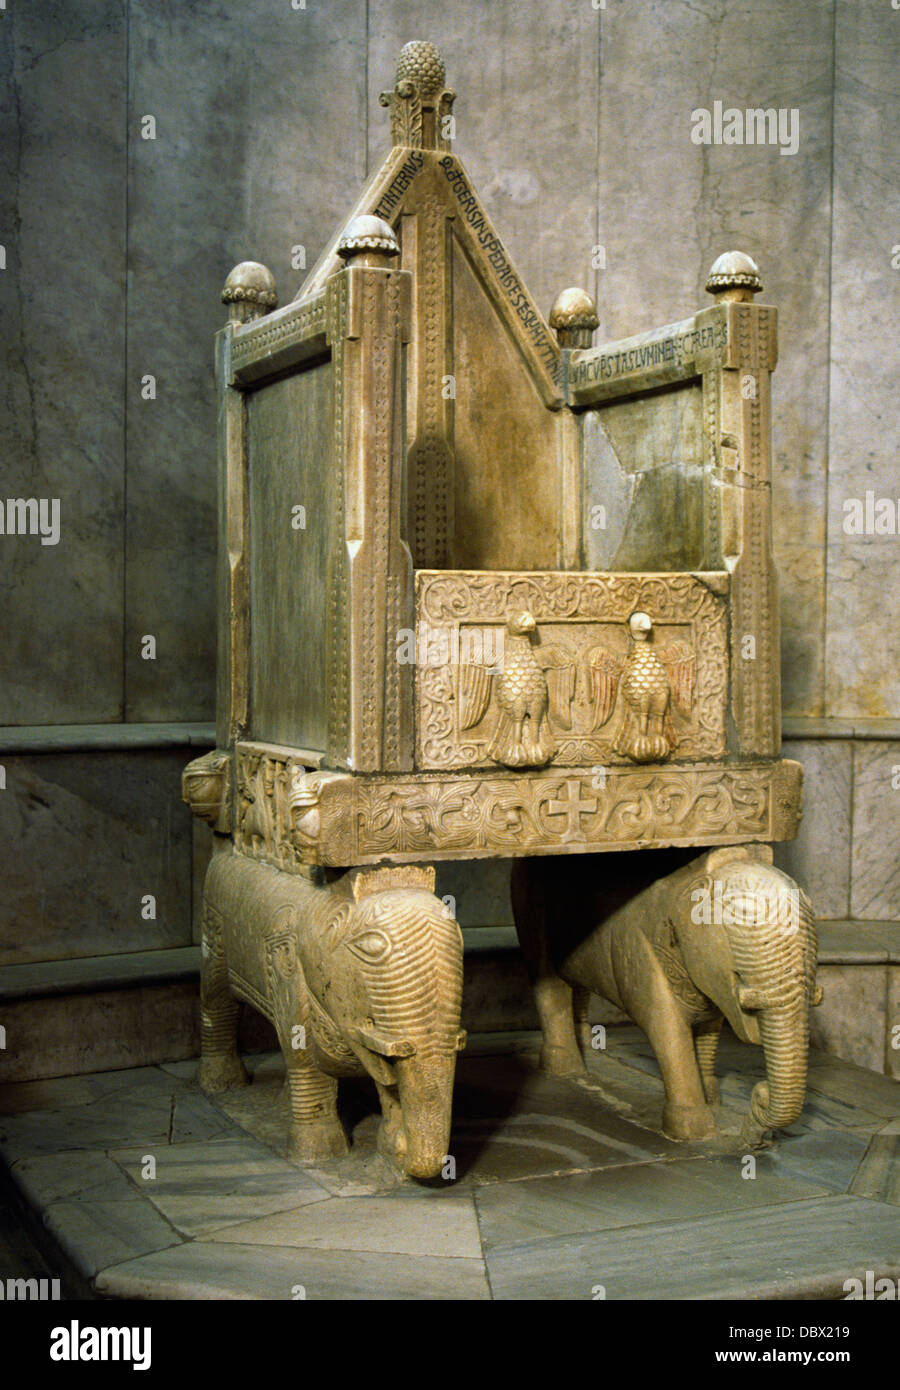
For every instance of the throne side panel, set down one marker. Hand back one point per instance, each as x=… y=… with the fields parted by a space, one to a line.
x=291 y=454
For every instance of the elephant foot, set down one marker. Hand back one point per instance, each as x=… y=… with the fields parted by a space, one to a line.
x=315 y=1140
x=391 y=1142
x=688 y=1121
x=221 y=1074
x=754 y=1135
x=561 y=1061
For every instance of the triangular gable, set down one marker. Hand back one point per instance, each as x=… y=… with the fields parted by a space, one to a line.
x=410 y=181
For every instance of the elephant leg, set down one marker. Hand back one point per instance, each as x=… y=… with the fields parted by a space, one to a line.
x=706 y=1042
x=391 y=1139
x=314 y=1129
x=686 y=1113
x=560 y=1054
x=650 y=1002
x=581 y=999
x=220 y=1065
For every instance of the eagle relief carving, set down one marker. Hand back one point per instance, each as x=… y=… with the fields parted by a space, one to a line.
x=650 y=680
x=533 y=688
x=530 y=692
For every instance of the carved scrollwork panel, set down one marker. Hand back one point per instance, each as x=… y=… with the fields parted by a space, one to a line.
x=581 y=622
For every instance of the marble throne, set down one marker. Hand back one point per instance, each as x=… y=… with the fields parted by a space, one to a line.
x=486 y=590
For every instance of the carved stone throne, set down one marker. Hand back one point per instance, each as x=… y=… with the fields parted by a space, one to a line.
x=484 y=589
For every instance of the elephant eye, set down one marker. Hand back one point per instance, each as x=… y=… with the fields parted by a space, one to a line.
x=371 y=946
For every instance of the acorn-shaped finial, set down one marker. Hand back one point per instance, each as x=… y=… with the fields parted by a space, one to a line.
x=368 y=241
x=421 y=63
x=249 y=292
x=574 y=317
x=419 y=101
x=734 y=278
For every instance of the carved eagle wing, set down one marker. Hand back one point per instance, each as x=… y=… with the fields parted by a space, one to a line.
x=559 y=671
x=604 y=671
x=474 y=694
x=681 y=668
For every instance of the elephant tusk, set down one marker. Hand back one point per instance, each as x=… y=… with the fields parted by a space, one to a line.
x=751 y=999
x=384 y=1046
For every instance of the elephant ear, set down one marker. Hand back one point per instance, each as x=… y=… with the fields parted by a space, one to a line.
x=671 y=960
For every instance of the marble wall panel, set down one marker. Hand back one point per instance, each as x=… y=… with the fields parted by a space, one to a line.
x=304 y=153
x=62 y=302
x=110 y=1030
x=480 y=891
x=892 y=1048
x=850 y=1021
x=243 y=106
x=819 y=858
x=863 y=595
x=87 y=836
x=875 y=863
x=188 y=73
x=668 y=207
x=526 y=120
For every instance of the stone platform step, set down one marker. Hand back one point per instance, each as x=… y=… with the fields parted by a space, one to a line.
x=562 y=1189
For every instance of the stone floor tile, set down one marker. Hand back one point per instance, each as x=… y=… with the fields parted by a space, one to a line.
x=510 y=1213
x=217 y=1270
x=805 y=1248
x=826 y=1157
x=390 y=1225
x=114 y=1120
x=878 y=1175
x=202 y=1187
x=76 y=1175
x=94 y=1234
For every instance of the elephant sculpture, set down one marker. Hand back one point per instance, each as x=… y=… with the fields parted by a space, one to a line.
x=359 y=974
x=679 y=941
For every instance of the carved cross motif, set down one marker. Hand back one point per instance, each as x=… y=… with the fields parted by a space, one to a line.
x=573 y=808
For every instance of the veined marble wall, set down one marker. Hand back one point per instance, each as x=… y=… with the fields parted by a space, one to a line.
x=575 y=122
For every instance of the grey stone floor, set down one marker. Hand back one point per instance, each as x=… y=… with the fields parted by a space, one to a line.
x=563 y=1189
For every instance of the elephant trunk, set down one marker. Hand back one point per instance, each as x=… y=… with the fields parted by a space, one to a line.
x=778 y=1101
x=426 y=1088
x=774 y=942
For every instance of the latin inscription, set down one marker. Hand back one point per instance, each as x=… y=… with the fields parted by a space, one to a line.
x=399 y=184
x=518 y=296
x=671 y=349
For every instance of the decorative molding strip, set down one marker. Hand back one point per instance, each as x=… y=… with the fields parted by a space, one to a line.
x=77 y=738
x=337 y=819
x=796 y=727
x=279 y=340
x=45 y=979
